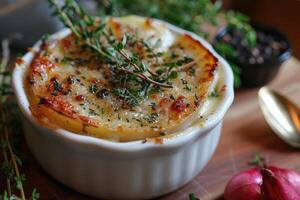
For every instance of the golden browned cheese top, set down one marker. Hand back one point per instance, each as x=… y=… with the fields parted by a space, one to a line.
x=71 y=81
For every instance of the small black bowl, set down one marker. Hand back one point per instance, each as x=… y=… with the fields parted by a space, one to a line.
x=259 y=73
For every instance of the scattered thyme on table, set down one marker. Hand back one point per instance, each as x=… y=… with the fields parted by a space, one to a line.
x=11 y=164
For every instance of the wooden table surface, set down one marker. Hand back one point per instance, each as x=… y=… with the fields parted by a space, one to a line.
x=244 y=134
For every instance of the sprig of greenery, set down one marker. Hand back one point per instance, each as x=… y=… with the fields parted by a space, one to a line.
x=190 y=15
x=231 y=54
x=240 y=22
x=192 y=196
x=134 y=79
x=11 y=162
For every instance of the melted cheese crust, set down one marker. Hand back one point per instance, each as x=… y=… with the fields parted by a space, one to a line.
x=68 y=88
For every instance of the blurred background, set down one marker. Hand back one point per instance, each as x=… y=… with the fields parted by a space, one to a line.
x=283 y=14
x=32 y=17
x=255 y=36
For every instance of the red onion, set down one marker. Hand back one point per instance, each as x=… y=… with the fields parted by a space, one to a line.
x=245 y=185
x=264 y=183
x=291 y=176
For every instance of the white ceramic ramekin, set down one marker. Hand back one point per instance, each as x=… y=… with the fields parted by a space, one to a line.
x=132 y=170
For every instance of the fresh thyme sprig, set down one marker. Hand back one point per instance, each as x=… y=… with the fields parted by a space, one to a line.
x=135 y=78
x=186 y=14
x=192 y=15
x=74 y=17
x=11 y=162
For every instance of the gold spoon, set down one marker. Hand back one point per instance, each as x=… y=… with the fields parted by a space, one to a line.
x=281 y=114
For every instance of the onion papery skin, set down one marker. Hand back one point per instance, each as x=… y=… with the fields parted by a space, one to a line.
x=276 y=185
x=245 y=185
x=292 y=177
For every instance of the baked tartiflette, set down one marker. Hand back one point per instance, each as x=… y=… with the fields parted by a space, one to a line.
x=70 y=87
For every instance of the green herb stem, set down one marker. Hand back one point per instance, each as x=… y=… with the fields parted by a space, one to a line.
x=5 y=138
x=12 y=155
x=11 y=163
x=134 y=79
x=6 y=162
x=89 y=39
x=140 y=75
x=187 y=66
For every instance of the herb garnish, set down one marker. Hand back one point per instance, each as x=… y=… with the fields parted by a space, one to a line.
x=192 y=15
x=57 y=85
x=151 y=118
x=93 y=88
x=11 y=163
x=153 y=106
x=133 y=79
x=213 y=93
